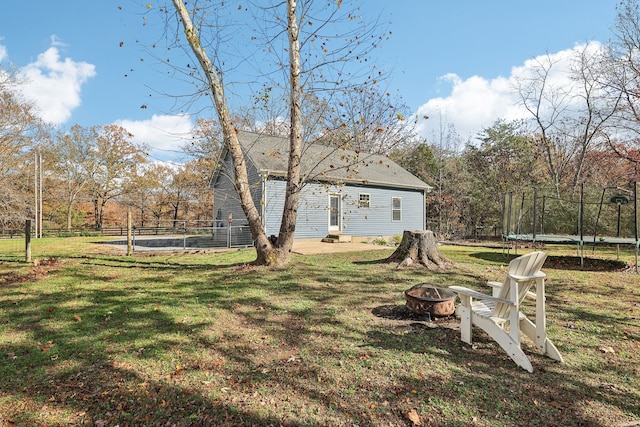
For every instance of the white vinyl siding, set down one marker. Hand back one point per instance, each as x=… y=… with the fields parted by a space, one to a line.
x=377 y=220
x=225 y=196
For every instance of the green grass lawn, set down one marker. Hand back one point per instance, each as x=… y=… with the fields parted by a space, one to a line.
x=88 y=336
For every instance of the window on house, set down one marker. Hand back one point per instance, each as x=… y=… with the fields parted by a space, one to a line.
x=364 y=200
x=396 y=209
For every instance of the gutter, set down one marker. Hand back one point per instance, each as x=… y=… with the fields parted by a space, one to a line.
x=426 y=188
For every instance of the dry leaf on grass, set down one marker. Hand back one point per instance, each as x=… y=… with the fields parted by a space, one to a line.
x=606 y=349
x=47 y=346
x=413 y=416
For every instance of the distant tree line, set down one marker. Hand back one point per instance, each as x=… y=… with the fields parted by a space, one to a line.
x=89 y=177
x=582 y=135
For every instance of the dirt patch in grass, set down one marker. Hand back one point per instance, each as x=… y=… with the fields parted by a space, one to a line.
x=585 y=264
x=38 y=271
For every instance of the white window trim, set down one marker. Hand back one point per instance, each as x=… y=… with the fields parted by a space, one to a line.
x=393 y=209
x=360 y=200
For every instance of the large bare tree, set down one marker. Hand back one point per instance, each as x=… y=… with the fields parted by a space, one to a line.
x=322 y=70
x=568 y=120
x=267 y=254
x=623 y=76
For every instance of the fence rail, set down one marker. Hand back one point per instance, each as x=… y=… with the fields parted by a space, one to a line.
x=190 y=238
x=186 y=236
x=11 y=233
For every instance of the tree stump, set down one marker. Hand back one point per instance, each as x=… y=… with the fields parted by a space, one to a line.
x=419 y=246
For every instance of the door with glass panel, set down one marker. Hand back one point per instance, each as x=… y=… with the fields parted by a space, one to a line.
x=334 y=212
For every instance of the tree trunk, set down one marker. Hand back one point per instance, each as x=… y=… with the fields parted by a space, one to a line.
x=69 y=207
x=284 y=242
x=419 y=246
x=266 y=255
x=277 y=254
x=96 y=214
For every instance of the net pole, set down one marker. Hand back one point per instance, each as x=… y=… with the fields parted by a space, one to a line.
x=509 y=220
x=635 y=218
x=580 y=225
x=535 y=199
x=129 y=239
x=27 y=240
x=595 y=231
x=505 y=232
x=544 y=204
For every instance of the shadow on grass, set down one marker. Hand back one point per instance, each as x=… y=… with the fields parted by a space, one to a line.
x=399 y=312
x=101 y=392
x=178 y=342
x=375 y=261
x=100 y=345
x=86 y=359
x=454 y=371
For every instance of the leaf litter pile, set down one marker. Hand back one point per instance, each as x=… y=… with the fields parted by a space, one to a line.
x=211 y=340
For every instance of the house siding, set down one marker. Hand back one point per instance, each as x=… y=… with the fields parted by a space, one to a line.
x=225 y=197
x=377 y=176
x=376 y=220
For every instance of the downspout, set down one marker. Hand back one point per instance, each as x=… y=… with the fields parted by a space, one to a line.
x=263 y=205
x=424 y=209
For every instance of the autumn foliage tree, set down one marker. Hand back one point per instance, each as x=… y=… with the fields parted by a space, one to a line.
x=20 y=133
x=71 y=159
x=117 y=160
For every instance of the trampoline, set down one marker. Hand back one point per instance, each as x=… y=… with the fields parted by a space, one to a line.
x=515 y=221
x=572 y=238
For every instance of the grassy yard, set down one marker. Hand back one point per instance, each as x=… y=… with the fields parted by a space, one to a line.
x=91 y=337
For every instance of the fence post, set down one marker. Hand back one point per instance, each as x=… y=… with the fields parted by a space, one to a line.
x=129 y=245
x=184 y=235
x=27 y=240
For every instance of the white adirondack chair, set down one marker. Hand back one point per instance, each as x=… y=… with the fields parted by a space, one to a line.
x=499 y=314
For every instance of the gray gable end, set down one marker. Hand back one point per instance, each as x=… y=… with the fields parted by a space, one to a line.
x=270 y=154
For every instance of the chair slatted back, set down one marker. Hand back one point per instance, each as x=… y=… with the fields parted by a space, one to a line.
x=525 y=265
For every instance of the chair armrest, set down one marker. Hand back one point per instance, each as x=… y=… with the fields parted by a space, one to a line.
x=498 y=285
x=479 y=295
x=495 y=284
x=538 y=275
x=495 y=287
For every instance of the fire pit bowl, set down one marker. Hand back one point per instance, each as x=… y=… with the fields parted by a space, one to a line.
x=426 y=298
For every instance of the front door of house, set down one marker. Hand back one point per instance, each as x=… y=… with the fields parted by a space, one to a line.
x=334 y=212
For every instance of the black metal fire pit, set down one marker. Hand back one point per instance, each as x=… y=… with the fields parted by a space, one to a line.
x=426 y=298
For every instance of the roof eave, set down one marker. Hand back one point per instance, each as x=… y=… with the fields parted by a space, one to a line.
x=425 y=187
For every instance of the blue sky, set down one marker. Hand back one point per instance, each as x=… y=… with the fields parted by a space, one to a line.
x=445 y=58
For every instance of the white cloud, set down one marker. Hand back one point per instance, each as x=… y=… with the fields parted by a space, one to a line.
x=472 y=105
x=55 y=84
x=3 y=53
x=477 y=102
x=164 y=134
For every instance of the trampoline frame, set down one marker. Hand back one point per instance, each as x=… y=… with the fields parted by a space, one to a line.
x=579 y=238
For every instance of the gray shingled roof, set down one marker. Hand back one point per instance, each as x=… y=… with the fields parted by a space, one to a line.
x=324 y=163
